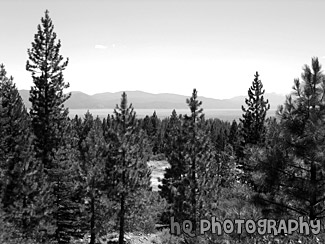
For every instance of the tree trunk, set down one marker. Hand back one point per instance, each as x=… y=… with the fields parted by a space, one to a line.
x=121 y=237
x=92 y=221
x=193 y=191
x=313 y=196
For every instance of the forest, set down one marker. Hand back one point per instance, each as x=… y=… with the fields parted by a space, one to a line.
x=79 y=180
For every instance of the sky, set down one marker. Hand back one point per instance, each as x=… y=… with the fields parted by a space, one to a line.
x=169 y=46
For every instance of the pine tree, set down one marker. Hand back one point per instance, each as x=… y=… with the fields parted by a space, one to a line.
x=254 y=116
x=154 y=133
x=190 y=185
x=151 y=124
x=233 y=134
x=128 y=158
x=146 y=124
x=172 y=188
x=205 y=166
x=234 y=139
x=192 y=150
x=53 y=142
x=252 y=131
x=47 y=98
x=16 y=158
x=293 y=162
x=92 y=158
x=152 y=127
x=303 y=126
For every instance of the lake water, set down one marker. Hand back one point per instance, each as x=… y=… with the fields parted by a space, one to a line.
x=223 y=114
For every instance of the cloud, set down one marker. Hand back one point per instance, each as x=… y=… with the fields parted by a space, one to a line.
x=100 y=46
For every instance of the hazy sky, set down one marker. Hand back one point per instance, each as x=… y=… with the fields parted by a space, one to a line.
x=170 y=46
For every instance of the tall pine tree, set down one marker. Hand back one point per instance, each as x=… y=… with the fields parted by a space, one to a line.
x=190 y=185
x=297 y=159
x=205 y=166
x=53 y=141
x=127 y=163
x=290 y=167
x=47 y=112
x=192 y=149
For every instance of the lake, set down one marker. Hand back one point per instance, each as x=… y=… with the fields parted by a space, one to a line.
x=223 y=114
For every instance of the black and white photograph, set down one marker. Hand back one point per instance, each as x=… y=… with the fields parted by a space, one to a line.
x=162 y=122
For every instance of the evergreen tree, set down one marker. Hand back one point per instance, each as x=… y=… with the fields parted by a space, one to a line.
x=16 y=158
x=235 y=138
x=160 y=136
x=47 y=112
x=218 y=132
x=154 y=134
x=146 y=124
x=127 y=163
x=107 y=128
x=254 y=115
x=92 y=157
x=82 y=128
x=207 y=167
x=54 y=143
x=151 y=126
x=190 y=185
x=294 y=160
x=172 y=188
x=252 y=128
x=192 y=150
x=233 y=134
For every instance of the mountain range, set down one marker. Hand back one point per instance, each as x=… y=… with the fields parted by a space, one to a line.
x=144 y=100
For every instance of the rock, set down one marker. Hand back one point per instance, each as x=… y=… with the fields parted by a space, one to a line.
x=113 y=239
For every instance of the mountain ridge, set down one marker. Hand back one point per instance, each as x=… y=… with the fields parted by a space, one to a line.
x=146 y=100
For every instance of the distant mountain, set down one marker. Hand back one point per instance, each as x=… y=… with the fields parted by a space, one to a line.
x=274 y=99
x=144 y=100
